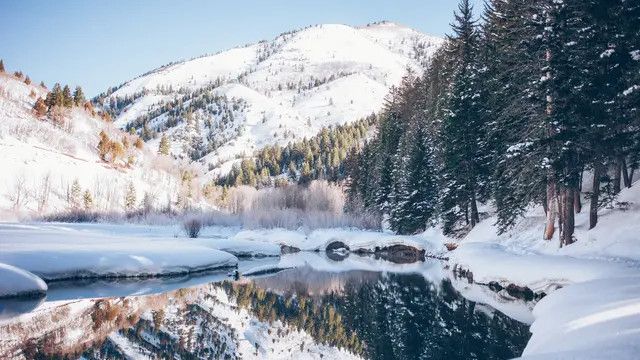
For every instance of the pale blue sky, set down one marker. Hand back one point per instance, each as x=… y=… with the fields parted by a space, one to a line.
x=98 y=44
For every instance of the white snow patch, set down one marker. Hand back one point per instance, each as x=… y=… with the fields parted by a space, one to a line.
x=355 y=239
x=62 y=251
x=592 y=320
x=16 y=282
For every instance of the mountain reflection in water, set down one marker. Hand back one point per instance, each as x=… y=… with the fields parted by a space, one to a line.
x=292 y=314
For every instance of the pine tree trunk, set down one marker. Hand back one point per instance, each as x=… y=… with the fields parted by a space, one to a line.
x=625 y=173
x=633 y=169
x=552 y=210
x=475 y=218
x=595 y=197
x=552 y=203
x=568 y=216
x=617 y=170
x=466 y=214
x=577 y=202
x=560 y=196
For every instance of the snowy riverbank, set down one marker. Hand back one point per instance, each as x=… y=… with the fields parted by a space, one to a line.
x=596 y=314
x=18 y=282
x=58 y=251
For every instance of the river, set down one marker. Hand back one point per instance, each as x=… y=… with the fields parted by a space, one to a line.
x=319 y=308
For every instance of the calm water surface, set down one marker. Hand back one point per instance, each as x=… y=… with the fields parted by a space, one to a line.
x=413 y=311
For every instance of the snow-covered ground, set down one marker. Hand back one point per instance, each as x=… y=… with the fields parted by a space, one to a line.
x=539 y=272
x=596 y=312
x=611 y=249
x=41 y=160
x=354 y=239
x=55 y=252
x=597 y=319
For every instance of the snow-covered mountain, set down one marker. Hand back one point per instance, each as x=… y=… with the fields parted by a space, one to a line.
x=220 y=107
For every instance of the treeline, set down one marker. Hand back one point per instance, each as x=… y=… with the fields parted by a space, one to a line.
x=512 y=110
x=61 y=97
x=319 y=157
x=56 y=100
x=175 y=108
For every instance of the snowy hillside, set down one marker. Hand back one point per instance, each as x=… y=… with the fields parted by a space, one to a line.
x=220 y=107
x=51 y=163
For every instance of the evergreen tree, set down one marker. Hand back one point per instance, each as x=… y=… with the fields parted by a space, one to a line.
x=610 y=72
x=165 y=146
x=414 y=197
x=399 y=205
x=67 y=99
x=515 y=111
x=423 y=181
x=130 y=198
x=464 y=160
x=75 y=195
x=54 y=97
x=2 y=70
x=87 y=199
x=393 y=122
x=78 y=96
x=517 y=101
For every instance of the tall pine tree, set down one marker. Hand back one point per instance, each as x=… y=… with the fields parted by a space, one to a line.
x=464 y=171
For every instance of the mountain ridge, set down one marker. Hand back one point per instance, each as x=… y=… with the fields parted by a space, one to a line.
x=112 y=89
x=219 y=108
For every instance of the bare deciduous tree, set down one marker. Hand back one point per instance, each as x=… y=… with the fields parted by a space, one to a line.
x=43 y=192
x=18 y=194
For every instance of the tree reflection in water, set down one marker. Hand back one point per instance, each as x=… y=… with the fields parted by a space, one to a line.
x=388 y=316
x=371 y=314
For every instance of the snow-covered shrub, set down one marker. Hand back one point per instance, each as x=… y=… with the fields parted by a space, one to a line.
x=319 y=205
x=322 y=196
x=192 y=227
x=77 y=216
x=272 y=218
x=294 y=219
x=219 y=218
x=241 y=199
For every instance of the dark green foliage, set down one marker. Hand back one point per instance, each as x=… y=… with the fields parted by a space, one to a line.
x=320 y=157
x=413 y=197
x=391 y=317
x=513 y=111
x=78 y=97
x=67 y=99
x=62 y=98
x=406 y=317
x=464 y=155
